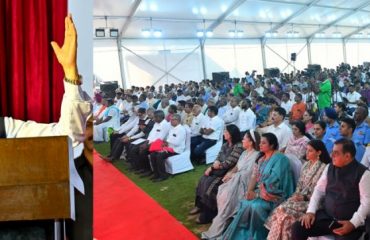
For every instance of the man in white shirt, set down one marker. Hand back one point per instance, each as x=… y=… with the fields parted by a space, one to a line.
x=344 y=189
x=352 y=97
x=211 y=132
x=175 y=140
x=247 y=118
x=159 y=131
x=286 y=103
x=279 y=128
x=231 y=116
x=111 y=119
x=197 y=122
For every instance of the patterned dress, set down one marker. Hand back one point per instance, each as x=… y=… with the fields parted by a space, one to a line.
x=207 y=188
x=230 y=193
x=282 y=218
x=277 y=178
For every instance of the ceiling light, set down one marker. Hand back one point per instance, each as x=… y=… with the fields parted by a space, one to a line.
x=223 y=8
x=157 y=33
x=195 y=10
x=239 y=33
x=203 y=10
x=113 y=32
x=232 y=33
x=100 y=32
x=153 y=7
x=209 y=33
x=271 y=34
x=337 y=34
x=200 y=33
x=236 y=13
x=320 y=35
x=146 y=32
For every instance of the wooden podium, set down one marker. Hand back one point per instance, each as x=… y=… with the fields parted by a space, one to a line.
x=35 y=179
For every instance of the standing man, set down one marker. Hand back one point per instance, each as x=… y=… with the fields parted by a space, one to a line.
x=324 y=93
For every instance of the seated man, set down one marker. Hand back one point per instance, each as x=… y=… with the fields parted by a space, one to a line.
x=110 y=120
x=138 y=154
x=347 y=128
x=344 y=189
x=211 y=132
x=176 y=140
x=282 y=131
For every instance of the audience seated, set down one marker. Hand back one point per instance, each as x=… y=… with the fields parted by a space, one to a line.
x=272 y=183
x=175 y=140
x=280 y=221
x=211 y=131
x=323 y=106
x=344 y=189
x=206 y=192
x=233 y=188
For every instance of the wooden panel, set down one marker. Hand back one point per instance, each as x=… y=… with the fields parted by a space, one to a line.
x=34 y=178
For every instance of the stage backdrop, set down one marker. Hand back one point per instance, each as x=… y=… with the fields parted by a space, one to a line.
x=31 y=79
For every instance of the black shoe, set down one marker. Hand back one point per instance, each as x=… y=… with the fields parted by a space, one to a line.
x=140 y=171
x=146 y=174
x=160 y=179
x=154 y=177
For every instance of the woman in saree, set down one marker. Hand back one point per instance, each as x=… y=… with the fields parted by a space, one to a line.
x=234 y=186
x=206 y=192
x=271 y=183
x=282 y=218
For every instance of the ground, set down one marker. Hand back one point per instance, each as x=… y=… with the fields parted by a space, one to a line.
x=176 y=194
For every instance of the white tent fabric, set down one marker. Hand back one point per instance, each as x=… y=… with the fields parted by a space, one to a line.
x=265 y=32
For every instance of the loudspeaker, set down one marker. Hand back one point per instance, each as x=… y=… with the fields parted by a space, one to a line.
x=109 y=88
x=293 y=57
x=314 y=67
x=271 y=72
x=220 y=76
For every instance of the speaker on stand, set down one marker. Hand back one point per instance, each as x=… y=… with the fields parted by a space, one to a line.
x=293 y=58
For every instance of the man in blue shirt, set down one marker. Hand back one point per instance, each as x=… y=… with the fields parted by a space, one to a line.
x=347 y=128
x=332 y=128
x=362 y=128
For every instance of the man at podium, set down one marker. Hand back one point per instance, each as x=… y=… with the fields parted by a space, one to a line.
x=76 y=108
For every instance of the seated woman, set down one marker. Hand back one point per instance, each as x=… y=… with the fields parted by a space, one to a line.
x=271 y=183
x=308 y=119
x=296 y=148
x=206 y=192
x=283 y=217
x=235 y=185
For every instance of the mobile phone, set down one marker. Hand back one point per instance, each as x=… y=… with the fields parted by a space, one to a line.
x=334 y=224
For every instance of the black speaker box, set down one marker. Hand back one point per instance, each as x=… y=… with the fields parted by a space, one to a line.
x=109 y=88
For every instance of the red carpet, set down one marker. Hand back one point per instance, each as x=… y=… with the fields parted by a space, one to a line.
x=123 y=211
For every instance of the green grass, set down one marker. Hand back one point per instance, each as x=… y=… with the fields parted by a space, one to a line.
x=176 y=194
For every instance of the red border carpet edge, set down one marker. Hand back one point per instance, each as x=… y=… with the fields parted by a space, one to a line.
x=123 y=211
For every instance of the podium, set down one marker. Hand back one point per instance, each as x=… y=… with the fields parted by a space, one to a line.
x=35 y=179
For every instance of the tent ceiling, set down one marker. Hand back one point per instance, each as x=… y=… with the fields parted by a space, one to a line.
x=182 y=19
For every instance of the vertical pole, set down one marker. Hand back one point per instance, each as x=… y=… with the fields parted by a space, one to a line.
x=344 y=50
x=201 y=42
x=309 y=51
x=57 y=229
x=121 y=67
x=263 y=43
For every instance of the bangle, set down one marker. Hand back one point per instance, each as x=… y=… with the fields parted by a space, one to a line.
x=74 y=81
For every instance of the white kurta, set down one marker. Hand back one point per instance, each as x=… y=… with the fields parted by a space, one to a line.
x=75 y=110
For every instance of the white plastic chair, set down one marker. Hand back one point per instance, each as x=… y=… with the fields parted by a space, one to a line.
x=181 y=162
x=212 y=152
x=295 y=165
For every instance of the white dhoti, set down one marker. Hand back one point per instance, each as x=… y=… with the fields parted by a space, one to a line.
x=100 y=132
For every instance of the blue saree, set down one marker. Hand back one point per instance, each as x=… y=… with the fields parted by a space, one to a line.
x=277 y=177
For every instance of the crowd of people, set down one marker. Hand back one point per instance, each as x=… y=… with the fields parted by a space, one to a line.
x=289 y=142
